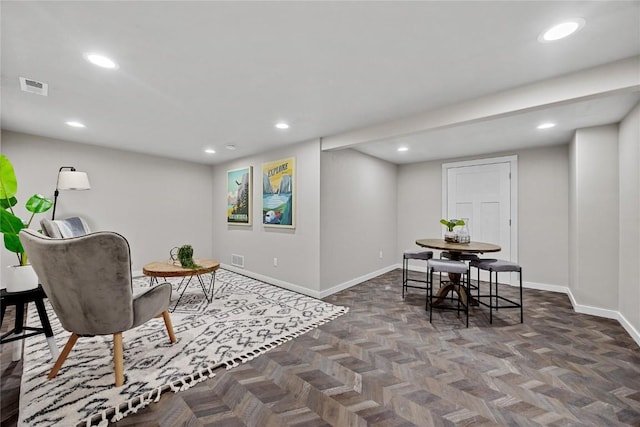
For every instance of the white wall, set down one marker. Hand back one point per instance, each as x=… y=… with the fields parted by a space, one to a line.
x=419 y=206
x=156 y=203
x=358 y=216
x=297 y=250
x=542 y=210
x=594 y=243
x=629 y=224
x=543 y=215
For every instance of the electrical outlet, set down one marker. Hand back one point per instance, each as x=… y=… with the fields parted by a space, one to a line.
x=380 y=255
x=275 y=262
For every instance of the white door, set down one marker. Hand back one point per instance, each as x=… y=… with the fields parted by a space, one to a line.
x=484 y=192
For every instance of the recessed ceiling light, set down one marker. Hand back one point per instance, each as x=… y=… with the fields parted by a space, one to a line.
x=403 y=149
x=210 y=151
x=282 y=125
x=561 y=30
x=548 y=125
x=75 y=124
x=100 y=60
x=230 y=147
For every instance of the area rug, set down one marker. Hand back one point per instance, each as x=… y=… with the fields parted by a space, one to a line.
x=245 y=318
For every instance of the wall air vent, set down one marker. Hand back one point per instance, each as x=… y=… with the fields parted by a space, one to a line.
x=34 y=86
x=237 y=260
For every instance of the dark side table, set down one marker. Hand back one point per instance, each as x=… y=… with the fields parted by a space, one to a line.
x=20 y=331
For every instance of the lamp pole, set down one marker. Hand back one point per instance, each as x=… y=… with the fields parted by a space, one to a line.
x=57 y=192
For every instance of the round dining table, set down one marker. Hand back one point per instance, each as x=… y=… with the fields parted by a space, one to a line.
x=456 y=250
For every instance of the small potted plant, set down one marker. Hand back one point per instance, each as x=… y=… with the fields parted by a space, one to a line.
x=21 y=276
x=185 y=256
x=449 y=235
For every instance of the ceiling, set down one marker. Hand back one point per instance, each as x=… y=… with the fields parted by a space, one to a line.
x=197 y=75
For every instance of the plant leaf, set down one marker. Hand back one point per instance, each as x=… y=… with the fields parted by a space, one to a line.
x=8 y=181
x=7 y=203
x=38 y=204
x=12 y=243
x=9 y=223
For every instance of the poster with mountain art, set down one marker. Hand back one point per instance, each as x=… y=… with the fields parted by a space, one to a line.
x=278 y=192
x=239 y=184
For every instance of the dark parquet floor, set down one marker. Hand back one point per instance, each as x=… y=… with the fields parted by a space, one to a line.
x=384 y=364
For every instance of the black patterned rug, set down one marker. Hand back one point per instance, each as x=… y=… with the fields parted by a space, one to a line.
x=245 y=318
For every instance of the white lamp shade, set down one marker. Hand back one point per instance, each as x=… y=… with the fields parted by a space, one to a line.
x=73 y=180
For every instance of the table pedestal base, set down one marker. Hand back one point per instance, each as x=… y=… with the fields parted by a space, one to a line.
x=455 y=286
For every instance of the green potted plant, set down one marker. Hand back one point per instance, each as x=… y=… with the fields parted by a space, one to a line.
x=11 y=224
x=449 y=235
x=185 y=256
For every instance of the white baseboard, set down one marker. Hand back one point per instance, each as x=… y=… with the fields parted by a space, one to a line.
x=357 y=280
x=629 y=328
x=545 y=287
x=606 y=313
x=594 y=311
x=273 y=281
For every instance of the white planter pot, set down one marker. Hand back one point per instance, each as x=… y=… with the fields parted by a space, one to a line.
x=20 y=278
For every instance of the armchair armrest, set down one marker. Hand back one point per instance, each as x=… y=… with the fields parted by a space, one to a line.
x=151 y=303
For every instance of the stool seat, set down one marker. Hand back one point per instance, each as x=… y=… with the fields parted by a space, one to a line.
x=447 y=266
x=496 y=265
x=417 y=254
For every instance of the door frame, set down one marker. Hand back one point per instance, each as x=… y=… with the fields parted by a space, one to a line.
x=513 y=161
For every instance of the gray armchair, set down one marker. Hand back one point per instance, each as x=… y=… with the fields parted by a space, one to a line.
x=88 y=282
x=63 y=228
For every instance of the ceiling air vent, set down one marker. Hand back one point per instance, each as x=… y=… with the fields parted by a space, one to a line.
x=34 y=86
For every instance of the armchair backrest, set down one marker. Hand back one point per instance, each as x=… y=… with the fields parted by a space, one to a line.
x=87 y=279
x=63 y=228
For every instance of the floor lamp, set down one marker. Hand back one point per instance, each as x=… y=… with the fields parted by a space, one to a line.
x=69 y=179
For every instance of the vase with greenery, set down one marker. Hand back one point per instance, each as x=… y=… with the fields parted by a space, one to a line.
x=449 y=235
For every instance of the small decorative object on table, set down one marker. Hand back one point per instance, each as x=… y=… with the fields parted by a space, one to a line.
x=449 y=235
x=463 y=232
x=173 y=256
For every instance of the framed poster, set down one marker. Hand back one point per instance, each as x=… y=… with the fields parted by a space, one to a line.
x=278 y=193
x=239 y=195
